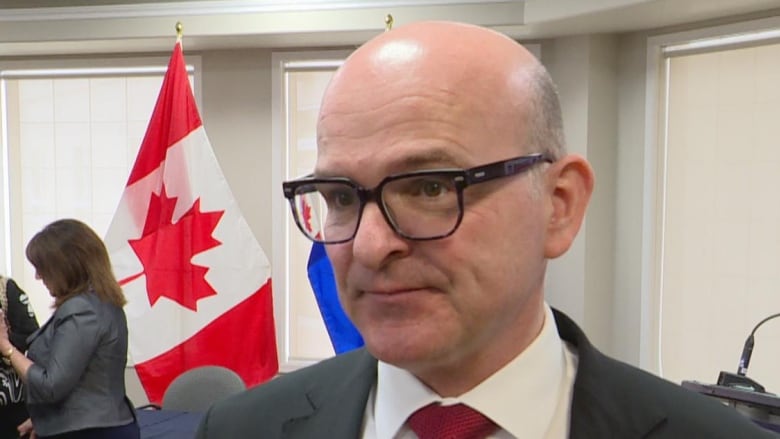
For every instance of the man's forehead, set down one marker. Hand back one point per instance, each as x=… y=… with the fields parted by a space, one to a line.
x=361 y=166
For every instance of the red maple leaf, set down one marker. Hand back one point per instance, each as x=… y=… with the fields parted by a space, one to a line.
x=306 y=212
x=166 y=251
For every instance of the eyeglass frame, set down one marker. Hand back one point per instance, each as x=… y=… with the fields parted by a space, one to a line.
x=462 y=179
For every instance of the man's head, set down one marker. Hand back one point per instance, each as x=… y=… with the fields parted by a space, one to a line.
x=443 y=95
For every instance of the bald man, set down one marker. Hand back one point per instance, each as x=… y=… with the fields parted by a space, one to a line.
x=444 y=187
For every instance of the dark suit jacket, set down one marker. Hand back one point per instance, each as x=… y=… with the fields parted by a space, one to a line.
x=21 y=320
x=610 y=400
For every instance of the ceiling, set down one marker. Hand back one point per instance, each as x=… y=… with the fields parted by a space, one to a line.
x=37 y=4
x=35 y=27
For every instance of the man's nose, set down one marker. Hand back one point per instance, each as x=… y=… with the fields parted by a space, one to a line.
x=375 y=241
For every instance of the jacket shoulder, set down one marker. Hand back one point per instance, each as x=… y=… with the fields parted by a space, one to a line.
x=76 y=304
x=613 y=396
x=685 y=413
x=266 y=408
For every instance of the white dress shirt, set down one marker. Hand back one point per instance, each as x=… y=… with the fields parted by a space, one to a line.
x=530 y=397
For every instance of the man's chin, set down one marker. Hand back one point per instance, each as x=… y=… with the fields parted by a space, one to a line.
x=403 y=352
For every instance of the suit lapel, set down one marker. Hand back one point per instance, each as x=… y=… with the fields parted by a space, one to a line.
x=602 y=407
x=40 y=330
x=333 y=405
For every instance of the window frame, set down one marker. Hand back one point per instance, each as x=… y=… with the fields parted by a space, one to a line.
x=283 y=225
x=654 y=161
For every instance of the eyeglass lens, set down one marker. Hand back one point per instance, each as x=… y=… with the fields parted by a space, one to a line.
x=417 y=206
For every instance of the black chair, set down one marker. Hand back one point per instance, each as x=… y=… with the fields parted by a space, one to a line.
x=196 y=389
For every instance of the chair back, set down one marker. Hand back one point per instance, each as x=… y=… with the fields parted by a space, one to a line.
x=197 y=389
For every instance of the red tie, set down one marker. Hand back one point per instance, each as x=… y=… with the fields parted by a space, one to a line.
x=457 y=421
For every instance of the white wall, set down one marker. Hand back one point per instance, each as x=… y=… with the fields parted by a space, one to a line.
x=236 y=111
x=630 y=316
x=600 y=226
x=580 y=282
x=567 y=60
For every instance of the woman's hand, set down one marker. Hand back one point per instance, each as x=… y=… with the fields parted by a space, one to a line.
x=26 y=428
x=19 y=361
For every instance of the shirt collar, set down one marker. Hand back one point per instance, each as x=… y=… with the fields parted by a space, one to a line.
x=521 y=397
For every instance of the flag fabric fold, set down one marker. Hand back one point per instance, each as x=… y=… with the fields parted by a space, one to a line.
x=197 y=282
x=343 y=334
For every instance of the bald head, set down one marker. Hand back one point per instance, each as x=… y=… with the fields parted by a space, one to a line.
x=468 y=68
x=443 y=49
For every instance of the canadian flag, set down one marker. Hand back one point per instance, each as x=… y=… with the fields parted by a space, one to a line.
x=197 y=282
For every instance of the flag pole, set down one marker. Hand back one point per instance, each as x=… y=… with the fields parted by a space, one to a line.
x=179 y=31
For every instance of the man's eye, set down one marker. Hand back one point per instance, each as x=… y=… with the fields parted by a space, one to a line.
x=345 y=198
x=428 y=187
x=339 y=199
x=432 y=188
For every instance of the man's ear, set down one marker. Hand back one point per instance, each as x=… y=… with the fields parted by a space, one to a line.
x=569 y=184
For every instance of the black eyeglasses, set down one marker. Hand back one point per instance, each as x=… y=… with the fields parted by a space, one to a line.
x=418 y=205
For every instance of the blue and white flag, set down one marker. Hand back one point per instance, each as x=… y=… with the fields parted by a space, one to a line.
x=343 y=334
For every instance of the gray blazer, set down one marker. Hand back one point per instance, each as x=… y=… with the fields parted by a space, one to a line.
x=78 y=380
x=610 y=400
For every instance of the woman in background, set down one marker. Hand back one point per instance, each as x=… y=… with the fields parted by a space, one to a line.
x=74 y=369
x=21 y=322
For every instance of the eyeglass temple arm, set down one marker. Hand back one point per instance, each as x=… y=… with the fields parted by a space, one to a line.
x=504 y=168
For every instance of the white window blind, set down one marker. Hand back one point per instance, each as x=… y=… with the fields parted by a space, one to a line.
x=721 y=220
x=70 y=138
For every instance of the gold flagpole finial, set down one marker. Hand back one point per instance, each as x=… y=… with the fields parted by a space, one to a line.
x=179 y=31
x=388 y=22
